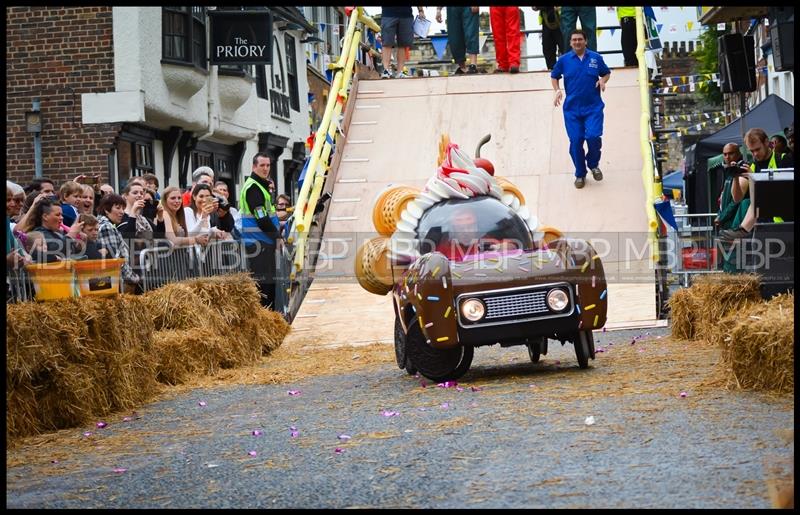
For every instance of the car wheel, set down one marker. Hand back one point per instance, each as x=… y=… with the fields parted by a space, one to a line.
x=436 y=364
x=583 y=349
x=536 y=348
x=399 y=343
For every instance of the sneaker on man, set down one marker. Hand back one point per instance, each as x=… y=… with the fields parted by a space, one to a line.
x=386 y=74
x=734 y=234
x=472 y=69
x=459 y=71
x=514 y=69
x=500 y=70
x=400 y=75
x=597 y=174
x=580 y=182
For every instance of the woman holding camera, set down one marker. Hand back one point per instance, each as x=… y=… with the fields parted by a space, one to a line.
x=208 y=214
x=134 y=222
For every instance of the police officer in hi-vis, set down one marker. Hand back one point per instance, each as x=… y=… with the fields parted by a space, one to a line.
x=260 y=227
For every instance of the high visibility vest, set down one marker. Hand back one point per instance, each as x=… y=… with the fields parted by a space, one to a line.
x=626 y=12
x=773 y=163
x=251 y=232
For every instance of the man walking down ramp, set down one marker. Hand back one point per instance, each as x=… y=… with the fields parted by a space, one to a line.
x=585 y=76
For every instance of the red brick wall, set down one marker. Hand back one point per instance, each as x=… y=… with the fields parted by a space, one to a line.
x=57 y=53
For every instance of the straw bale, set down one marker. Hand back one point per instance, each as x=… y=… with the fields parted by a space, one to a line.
x=758 y=346
x=267 y=328
x=233 y=296
x=696 y=310
x=190 y=352
x=178 y=306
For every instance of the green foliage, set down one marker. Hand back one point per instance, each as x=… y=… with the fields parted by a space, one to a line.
x=706 y=56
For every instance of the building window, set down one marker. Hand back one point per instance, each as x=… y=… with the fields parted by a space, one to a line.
x=134 y=153
x=261 y=82
x=184 y=35
x=200 y=158
x=291 y=72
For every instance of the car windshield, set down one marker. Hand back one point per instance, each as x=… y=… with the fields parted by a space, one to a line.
x=458 y=228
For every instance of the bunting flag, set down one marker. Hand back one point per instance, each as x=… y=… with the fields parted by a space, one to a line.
x=685 y=79
x=659 y=26
x=322 y=27
x=689 y=25
x=439 y=42
x=664 y=210
x=673 y=28
x=303 y=173
x=612 y=29
x=653 y=40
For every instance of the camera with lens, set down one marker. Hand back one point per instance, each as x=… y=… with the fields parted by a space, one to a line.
x=735 y=167
x=223 y=202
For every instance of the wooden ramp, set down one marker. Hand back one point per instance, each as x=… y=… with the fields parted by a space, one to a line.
x=393 y=137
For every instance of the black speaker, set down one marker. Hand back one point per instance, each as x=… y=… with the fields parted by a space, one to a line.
x=737 y=63
x=781 y=34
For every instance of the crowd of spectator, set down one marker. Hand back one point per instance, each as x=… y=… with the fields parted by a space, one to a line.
x=85 y=218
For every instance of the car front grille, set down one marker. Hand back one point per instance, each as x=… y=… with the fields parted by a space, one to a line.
x=519 y=304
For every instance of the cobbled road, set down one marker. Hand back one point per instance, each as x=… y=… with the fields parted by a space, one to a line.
x=510 y=434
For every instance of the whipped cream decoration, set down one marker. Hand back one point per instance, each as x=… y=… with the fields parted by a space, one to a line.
x=456 y=178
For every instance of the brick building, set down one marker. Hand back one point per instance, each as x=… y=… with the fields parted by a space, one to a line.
x=129 y=90
x=55 y=55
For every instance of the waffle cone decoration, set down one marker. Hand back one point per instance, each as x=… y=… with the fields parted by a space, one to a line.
x=508 y=187
x=390 y=206
x=372 y=266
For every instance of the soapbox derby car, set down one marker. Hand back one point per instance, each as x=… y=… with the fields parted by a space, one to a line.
x=468 y=263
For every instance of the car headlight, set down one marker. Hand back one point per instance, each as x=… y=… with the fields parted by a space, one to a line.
x=557 y=299
x=473 y=309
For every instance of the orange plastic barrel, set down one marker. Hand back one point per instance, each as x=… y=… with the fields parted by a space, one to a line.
x=98 y=276
x=53 y=281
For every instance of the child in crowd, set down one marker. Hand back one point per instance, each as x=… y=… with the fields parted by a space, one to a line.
x=91 y=228
x=71 y=196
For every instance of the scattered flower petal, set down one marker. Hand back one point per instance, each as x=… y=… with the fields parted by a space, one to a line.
x=445 y=405
x=252 y=453
x=88 y=434
x=53 y=461
x=448 y=384
x=683 y=395
x=408 y=431
x=212 y=465
x=423 y=384
x=295 y=434
x=101 y=425
x=531 y=386
x=256 y=432
x=120 y=470
x=338 y=450
x=459 y=389
x=422 y=409
x=387 y=413
x=600 y=349
x=475 y=388
x=344 y=438
x=292 y=428
x=126 y=419
x=201 y=403
x=293 y=392
x=589 y=420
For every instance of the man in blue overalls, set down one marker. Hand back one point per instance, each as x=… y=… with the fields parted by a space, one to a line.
x=585 y=76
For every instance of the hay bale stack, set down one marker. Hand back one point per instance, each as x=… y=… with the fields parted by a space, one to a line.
x=69 y=360
x=268 y=328
x=233 y=296
x=178 y=306
x=758 y=345
x=696 y=310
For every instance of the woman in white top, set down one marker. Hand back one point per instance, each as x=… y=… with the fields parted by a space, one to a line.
x=175 y=219
x=199 y=214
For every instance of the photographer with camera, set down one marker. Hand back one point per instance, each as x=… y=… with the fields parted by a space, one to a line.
x=221 y=189
x=206 y=214
x=764 y=158
x=732 y=158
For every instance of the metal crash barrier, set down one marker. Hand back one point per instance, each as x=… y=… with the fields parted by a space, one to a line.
x=162 y=265
x=20 y=286
x=692 y=249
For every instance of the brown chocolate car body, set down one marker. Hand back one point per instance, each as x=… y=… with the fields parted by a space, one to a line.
x=433 y=334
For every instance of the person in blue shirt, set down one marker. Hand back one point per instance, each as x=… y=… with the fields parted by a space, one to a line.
x=585 y=76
